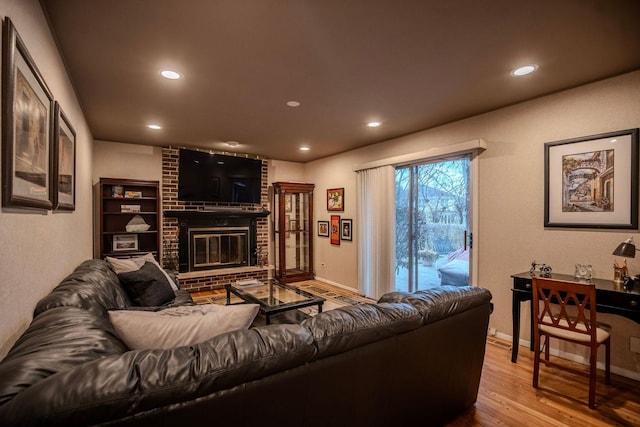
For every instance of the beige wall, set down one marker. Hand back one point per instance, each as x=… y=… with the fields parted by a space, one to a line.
x=126 y=161
x=511 y=196
x=39 y=248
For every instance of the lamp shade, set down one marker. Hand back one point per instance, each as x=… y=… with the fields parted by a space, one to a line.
x=626 y=249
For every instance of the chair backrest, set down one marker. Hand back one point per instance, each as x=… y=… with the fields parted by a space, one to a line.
x=547 y=292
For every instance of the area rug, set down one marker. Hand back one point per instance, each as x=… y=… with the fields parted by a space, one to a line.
x=335 y=296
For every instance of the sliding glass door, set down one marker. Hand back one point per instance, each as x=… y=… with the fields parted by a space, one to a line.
x=433 y=233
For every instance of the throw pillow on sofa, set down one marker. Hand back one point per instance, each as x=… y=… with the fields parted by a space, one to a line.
x=147 y=286
x=124 y=265
x=180 y=326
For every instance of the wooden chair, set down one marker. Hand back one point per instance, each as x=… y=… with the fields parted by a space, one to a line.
x=550 y=301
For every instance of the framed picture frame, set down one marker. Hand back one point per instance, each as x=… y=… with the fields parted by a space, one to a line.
x=592 y=181
x=287 y=203
x=27 y=117
x=125 y=242
x=323 y=228
x=287 y=224
x=64 y=164
x=335 y=230
x=346 y=229
x=335 y=199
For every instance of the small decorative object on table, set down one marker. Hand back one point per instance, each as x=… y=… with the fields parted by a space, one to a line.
x=545 y=270
x=583 y=271
x=620 y=271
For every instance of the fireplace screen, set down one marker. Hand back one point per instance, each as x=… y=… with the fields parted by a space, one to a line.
x=219 y=247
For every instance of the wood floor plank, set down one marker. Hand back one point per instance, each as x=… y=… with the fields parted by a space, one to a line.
x=507 y=398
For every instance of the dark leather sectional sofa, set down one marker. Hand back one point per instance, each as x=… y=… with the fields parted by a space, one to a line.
x=410 y=359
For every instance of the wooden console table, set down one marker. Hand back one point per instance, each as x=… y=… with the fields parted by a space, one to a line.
x=610 y=298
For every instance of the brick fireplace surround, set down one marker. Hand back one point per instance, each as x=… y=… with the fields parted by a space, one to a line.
x=209 y=279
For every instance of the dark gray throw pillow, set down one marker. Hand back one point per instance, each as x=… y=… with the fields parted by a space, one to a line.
x=148 y=286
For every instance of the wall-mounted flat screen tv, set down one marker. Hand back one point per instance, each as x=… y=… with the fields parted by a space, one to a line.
x=204 y=177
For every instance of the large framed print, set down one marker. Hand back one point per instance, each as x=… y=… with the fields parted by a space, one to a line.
x=592 y=181
x=27 y=112
x=64 y=163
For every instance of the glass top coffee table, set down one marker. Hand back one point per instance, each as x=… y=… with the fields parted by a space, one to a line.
x=273 y=297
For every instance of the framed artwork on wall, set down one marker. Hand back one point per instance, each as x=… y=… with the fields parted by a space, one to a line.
x=346 y=229
x=64 y=164
x=335 y=199
x=592 y=181
x=27 y=114
x=335 y=229
x=323 y=228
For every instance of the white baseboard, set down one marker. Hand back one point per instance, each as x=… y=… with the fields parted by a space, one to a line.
x=524 y=345
x=338 y=285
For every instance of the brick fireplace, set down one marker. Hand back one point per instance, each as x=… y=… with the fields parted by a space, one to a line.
x=230 y=239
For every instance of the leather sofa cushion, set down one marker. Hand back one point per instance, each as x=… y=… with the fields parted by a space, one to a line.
x=344 y=328
x=92 y=286
x=146 y=380
x=438 y=303
x=56 y=341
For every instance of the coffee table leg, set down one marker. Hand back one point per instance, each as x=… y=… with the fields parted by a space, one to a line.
x=228 y=297
x=267 y=319
x=319 y=307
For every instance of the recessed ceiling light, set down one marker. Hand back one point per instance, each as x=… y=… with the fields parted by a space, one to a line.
x=154 y=127
x=523 y=71
x=233 y=143
x=305 y=148
x=170 y=74
x=373 y=124
x=293 y=103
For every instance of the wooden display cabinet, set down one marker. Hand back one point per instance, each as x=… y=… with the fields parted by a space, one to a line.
x=292 y=231
x=117 y=201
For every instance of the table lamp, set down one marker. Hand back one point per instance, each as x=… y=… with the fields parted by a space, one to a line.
x=626 y=249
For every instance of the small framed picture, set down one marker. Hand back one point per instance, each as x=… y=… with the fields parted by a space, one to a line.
x=335 y=199
x=346 y=227
x=323 y=228
x=125 y=242
x=335 y=229
x=287 y=203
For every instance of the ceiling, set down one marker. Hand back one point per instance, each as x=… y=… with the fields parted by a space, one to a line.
x=410 y=65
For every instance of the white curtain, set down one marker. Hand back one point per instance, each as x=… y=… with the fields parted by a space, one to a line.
x=376 y=231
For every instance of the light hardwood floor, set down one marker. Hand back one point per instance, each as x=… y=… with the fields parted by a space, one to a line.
x=507 y=398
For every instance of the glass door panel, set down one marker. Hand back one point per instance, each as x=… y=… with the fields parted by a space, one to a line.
x=432 y=224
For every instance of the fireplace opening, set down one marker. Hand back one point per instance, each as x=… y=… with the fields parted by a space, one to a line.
x=218 y=247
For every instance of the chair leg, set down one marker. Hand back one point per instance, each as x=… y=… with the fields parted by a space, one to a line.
x=547 y=346
x=593 y=372
x=607 y=362
x=536 y=361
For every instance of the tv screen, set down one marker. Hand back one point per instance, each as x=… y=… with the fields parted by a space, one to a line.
x=204 y=177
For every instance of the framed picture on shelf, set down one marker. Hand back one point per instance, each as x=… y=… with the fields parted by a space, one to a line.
x=335 y=229
x=125 y=242
x=287 y=203
x=64 y=164
x=27 y=103
x=335 y=199
x=346 y=228
x=579 y=186
x=293 y=225
x=323 y=228
x=287 y=220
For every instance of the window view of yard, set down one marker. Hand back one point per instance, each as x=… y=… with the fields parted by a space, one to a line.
x=432 y=222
